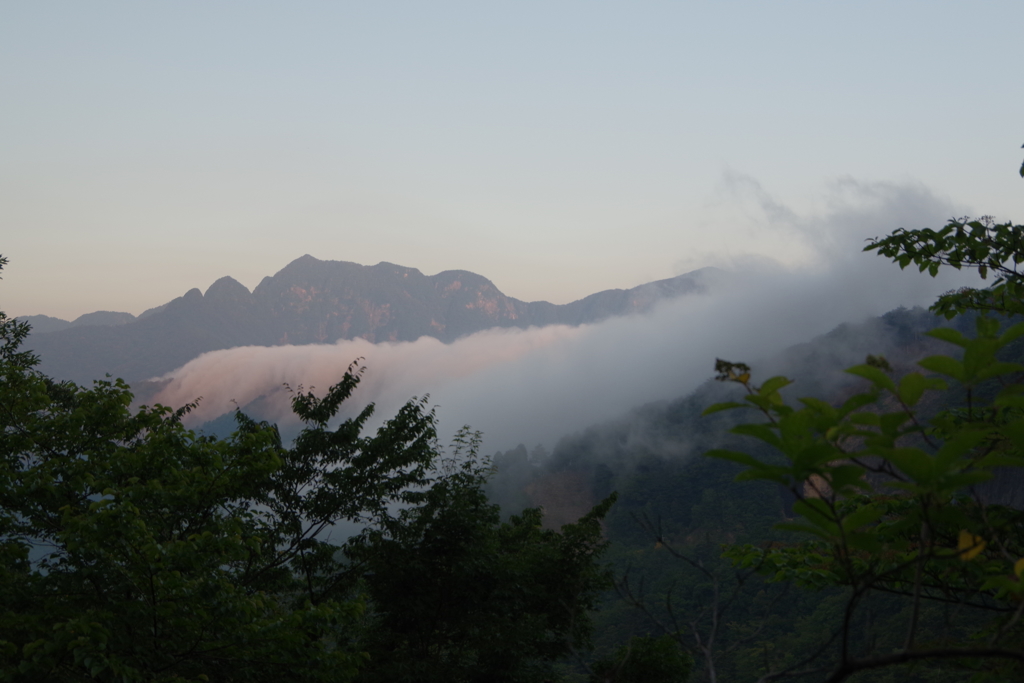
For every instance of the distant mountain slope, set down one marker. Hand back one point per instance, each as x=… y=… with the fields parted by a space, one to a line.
x=672 y=435
x=44 y=323
x=312 y=301
x=666 y=440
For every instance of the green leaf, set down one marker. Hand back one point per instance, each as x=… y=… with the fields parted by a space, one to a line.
x=891 y=422
x=858 y=401
x=873 y=375
x=817 y=512
x=774 y=384
x=957 y=447
x=912 y=387
x=867 y=419
x=998 y=459
x=965 y=479
x=867 y=542
x=759 y=431
x=718 y=407
x=814 y=455
x=1012 y=333
x=844 y=477
x=819 y=406
x=998 y=369
x=944 y=365
x=862 y=516
x=913 y=462
x=948 y=334
x=1015 y=432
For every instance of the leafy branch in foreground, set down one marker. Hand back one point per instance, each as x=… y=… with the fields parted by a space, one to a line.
x=886 y=484
x=982 y=244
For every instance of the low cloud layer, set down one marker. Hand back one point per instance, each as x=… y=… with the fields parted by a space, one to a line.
x=536 y=385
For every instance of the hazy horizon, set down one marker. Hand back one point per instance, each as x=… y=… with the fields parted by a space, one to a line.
x=557 y=149
x=536 y=385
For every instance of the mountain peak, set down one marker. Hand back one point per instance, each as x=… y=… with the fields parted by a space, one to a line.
x=191 y=296
x=103 y=318
x=306 y=264
x=227 y=289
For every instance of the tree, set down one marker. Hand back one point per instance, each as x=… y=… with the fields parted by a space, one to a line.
x=135 y=549
x=132 y=548
x=887 y=482
x=457 y=595
x=645 y=660
x=706 y=598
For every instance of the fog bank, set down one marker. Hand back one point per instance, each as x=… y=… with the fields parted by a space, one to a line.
x=535 y=385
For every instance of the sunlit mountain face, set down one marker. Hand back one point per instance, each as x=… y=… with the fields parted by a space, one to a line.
x=315 y=302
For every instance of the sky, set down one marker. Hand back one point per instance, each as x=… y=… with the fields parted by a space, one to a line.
x=557 y=148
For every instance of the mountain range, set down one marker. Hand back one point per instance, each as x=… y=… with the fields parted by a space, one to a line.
x=311 y=301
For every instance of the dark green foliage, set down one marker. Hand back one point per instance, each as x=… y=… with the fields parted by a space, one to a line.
x=645 y=660
x=12 y=335
x=983 y=244
x=133 y=549
x=891 y=506
x=458 y=595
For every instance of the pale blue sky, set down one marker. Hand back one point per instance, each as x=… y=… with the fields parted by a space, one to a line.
x=558 y=148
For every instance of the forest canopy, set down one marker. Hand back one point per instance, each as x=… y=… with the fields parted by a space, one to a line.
x=134 y=549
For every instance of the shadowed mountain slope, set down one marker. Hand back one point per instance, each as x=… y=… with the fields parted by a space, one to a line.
x=45 y=323
x=314 y=302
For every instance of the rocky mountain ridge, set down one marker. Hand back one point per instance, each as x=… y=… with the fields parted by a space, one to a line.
x=311 y=301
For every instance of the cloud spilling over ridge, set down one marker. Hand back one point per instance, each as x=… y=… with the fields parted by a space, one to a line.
x=536 y=385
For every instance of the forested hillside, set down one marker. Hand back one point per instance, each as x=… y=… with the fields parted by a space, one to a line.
x=677 y=509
